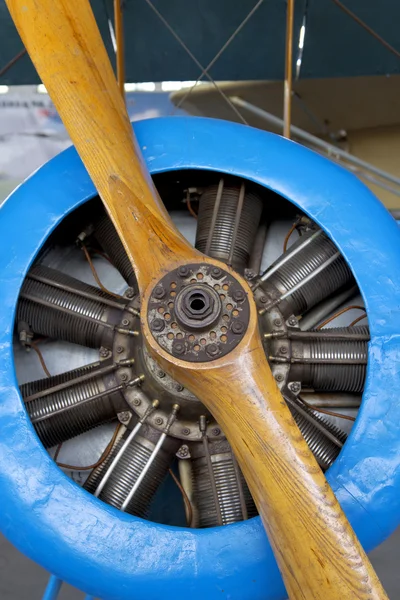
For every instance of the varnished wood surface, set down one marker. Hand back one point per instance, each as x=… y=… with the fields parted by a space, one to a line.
x=316 y=549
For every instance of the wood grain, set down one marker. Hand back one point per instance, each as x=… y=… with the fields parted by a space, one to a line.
x=317 y=551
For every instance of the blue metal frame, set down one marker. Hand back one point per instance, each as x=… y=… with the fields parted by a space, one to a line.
x=114 y=555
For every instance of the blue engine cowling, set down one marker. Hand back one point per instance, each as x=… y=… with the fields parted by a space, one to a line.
x=113 y=555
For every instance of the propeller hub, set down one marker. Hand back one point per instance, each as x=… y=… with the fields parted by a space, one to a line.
x=203 y=309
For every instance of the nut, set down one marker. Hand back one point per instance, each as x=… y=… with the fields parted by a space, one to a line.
x=239 y=295
x=216 y=431
x=185 y=431
x=212 y=349
x=279 y=377
x=159 y=292
x=183 y=271
x=263 y=299
x=161 y=374
x=277 y=322
x=157 y=325
x=124 y=377
x=158 y=421
x=216 y=272
x=125 y=322
x=178 y=348
x=238 y=327
x=120 y=349
x=179 y=387
x=283 y=350
x=136 y=401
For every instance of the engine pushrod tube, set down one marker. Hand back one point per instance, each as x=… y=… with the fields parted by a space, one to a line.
x=121 y=451
x=238 y=215
x=320 y=335
x=214 y=216
x=82 y=293
x=153 y=455
x=203 y=427
x=318 y=361
x=116 y=388
x=316 y=423
x=287 y=256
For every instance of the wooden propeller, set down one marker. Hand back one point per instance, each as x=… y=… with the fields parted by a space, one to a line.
x=317 y=551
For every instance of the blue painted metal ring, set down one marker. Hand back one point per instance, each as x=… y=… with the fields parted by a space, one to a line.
x=114 y=555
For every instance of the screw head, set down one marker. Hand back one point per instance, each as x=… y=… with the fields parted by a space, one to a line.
x=159 y=292
x=279 y=377
x=183 y=451
x=238 y=327
x=183 y=271
x=212 y=349
x=125 y=322
x=216 y=272
x=239 y=295
x=216 y=431
x=295 y=386
x=157 y=325
x=124 y=417
x=178 y=348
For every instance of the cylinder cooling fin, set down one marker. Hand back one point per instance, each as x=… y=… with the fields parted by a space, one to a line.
x=163 y=457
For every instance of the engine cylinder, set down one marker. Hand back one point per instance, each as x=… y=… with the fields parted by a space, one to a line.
x=336 y=376
x=79 y=413
x=50 y=305
x=323 y=448
x=108 y=238
x=291 y=272
x=234 y=499
x=223 y=234
x=129 y=468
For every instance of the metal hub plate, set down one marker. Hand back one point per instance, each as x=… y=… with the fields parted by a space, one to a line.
x=198 y=312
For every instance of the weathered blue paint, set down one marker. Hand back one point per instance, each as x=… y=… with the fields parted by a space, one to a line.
x=114 y=555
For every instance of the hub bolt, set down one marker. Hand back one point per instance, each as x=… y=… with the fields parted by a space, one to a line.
x=159 y=292
x=212 y=349
x=178 y=348
x=183 y=271
x=157 y=325
x=238 y=295
x=216 y=272
x=238 y=327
